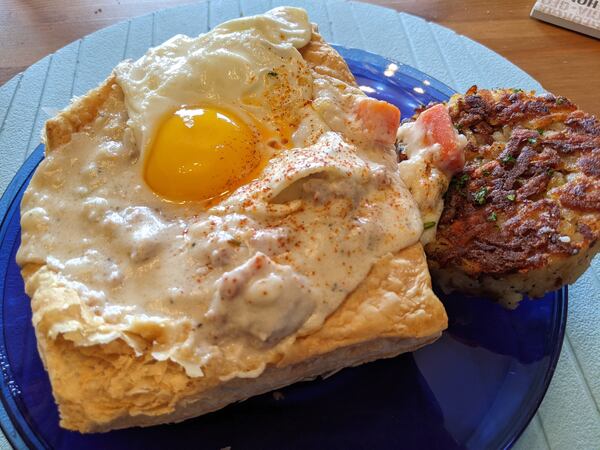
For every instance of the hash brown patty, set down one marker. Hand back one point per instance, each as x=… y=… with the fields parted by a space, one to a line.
x=523 y=217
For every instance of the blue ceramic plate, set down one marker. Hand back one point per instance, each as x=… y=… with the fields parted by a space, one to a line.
x=476 y=387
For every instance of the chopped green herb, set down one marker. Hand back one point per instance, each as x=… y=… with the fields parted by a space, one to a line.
x=492 y=217
x=428 y=225
x=540 y=131
x=517 y=90
x=508 y=159
x=462 y=180
x=272 y=73
x=459 y=182
x=511 y=197
x=486 y=173
x=481 y=195
x=532 y=141
x=560 y=100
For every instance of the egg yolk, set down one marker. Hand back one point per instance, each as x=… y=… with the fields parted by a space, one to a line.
x=201 y=154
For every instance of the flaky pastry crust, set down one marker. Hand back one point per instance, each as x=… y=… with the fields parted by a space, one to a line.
x=104 y=387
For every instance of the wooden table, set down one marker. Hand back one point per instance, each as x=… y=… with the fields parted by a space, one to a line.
x=563 y=61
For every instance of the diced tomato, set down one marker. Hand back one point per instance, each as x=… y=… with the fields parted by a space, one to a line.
x=439 y=129
x=381 y=119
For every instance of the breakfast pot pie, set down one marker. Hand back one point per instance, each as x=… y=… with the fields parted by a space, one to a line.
x=223 y=217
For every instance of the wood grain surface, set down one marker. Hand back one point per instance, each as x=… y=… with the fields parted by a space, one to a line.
x=563 y=61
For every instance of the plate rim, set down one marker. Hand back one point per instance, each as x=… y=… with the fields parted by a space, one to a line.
x=15 y=434
x=19 y=437
x=371 y=58
x=560 y=326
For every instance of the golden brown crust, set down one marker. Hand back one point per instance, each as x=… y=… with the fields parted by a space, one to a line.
x=81 y=112
x=277 y=377
x=102 y=387
x=395 y=300
x=324 y=60
x=527 y=199
x=392 y=311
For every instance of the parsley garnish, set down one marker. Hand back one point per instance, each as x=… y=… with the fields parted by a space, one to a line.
x=486 y=173
x=508 y=159
x=511 y=197
x=517 y=90
x=481 y=195
x=459 y=182
x=492 y=217
x=462 y=180
x=540 y=131
x=532 y=141
x=428 y=225
x=560 y=100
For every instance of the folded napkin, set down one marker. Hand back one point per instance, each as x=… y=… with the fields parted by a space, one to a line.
x=582 y=16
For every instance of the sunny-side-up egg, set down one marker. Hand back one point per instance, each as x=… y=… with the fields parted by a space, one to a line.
x=227 y=202
x=208 y=112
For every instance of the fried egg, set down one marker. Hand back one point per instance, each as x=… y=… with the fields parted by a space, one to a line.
x=224 y=202
x=207 y=112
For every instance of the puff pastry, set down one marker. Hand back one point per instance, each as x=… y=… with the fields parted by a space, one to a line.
x=112 y=385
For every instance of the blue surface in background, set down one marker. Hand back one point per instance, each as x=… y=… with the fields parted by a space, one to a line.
x=478 y=386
